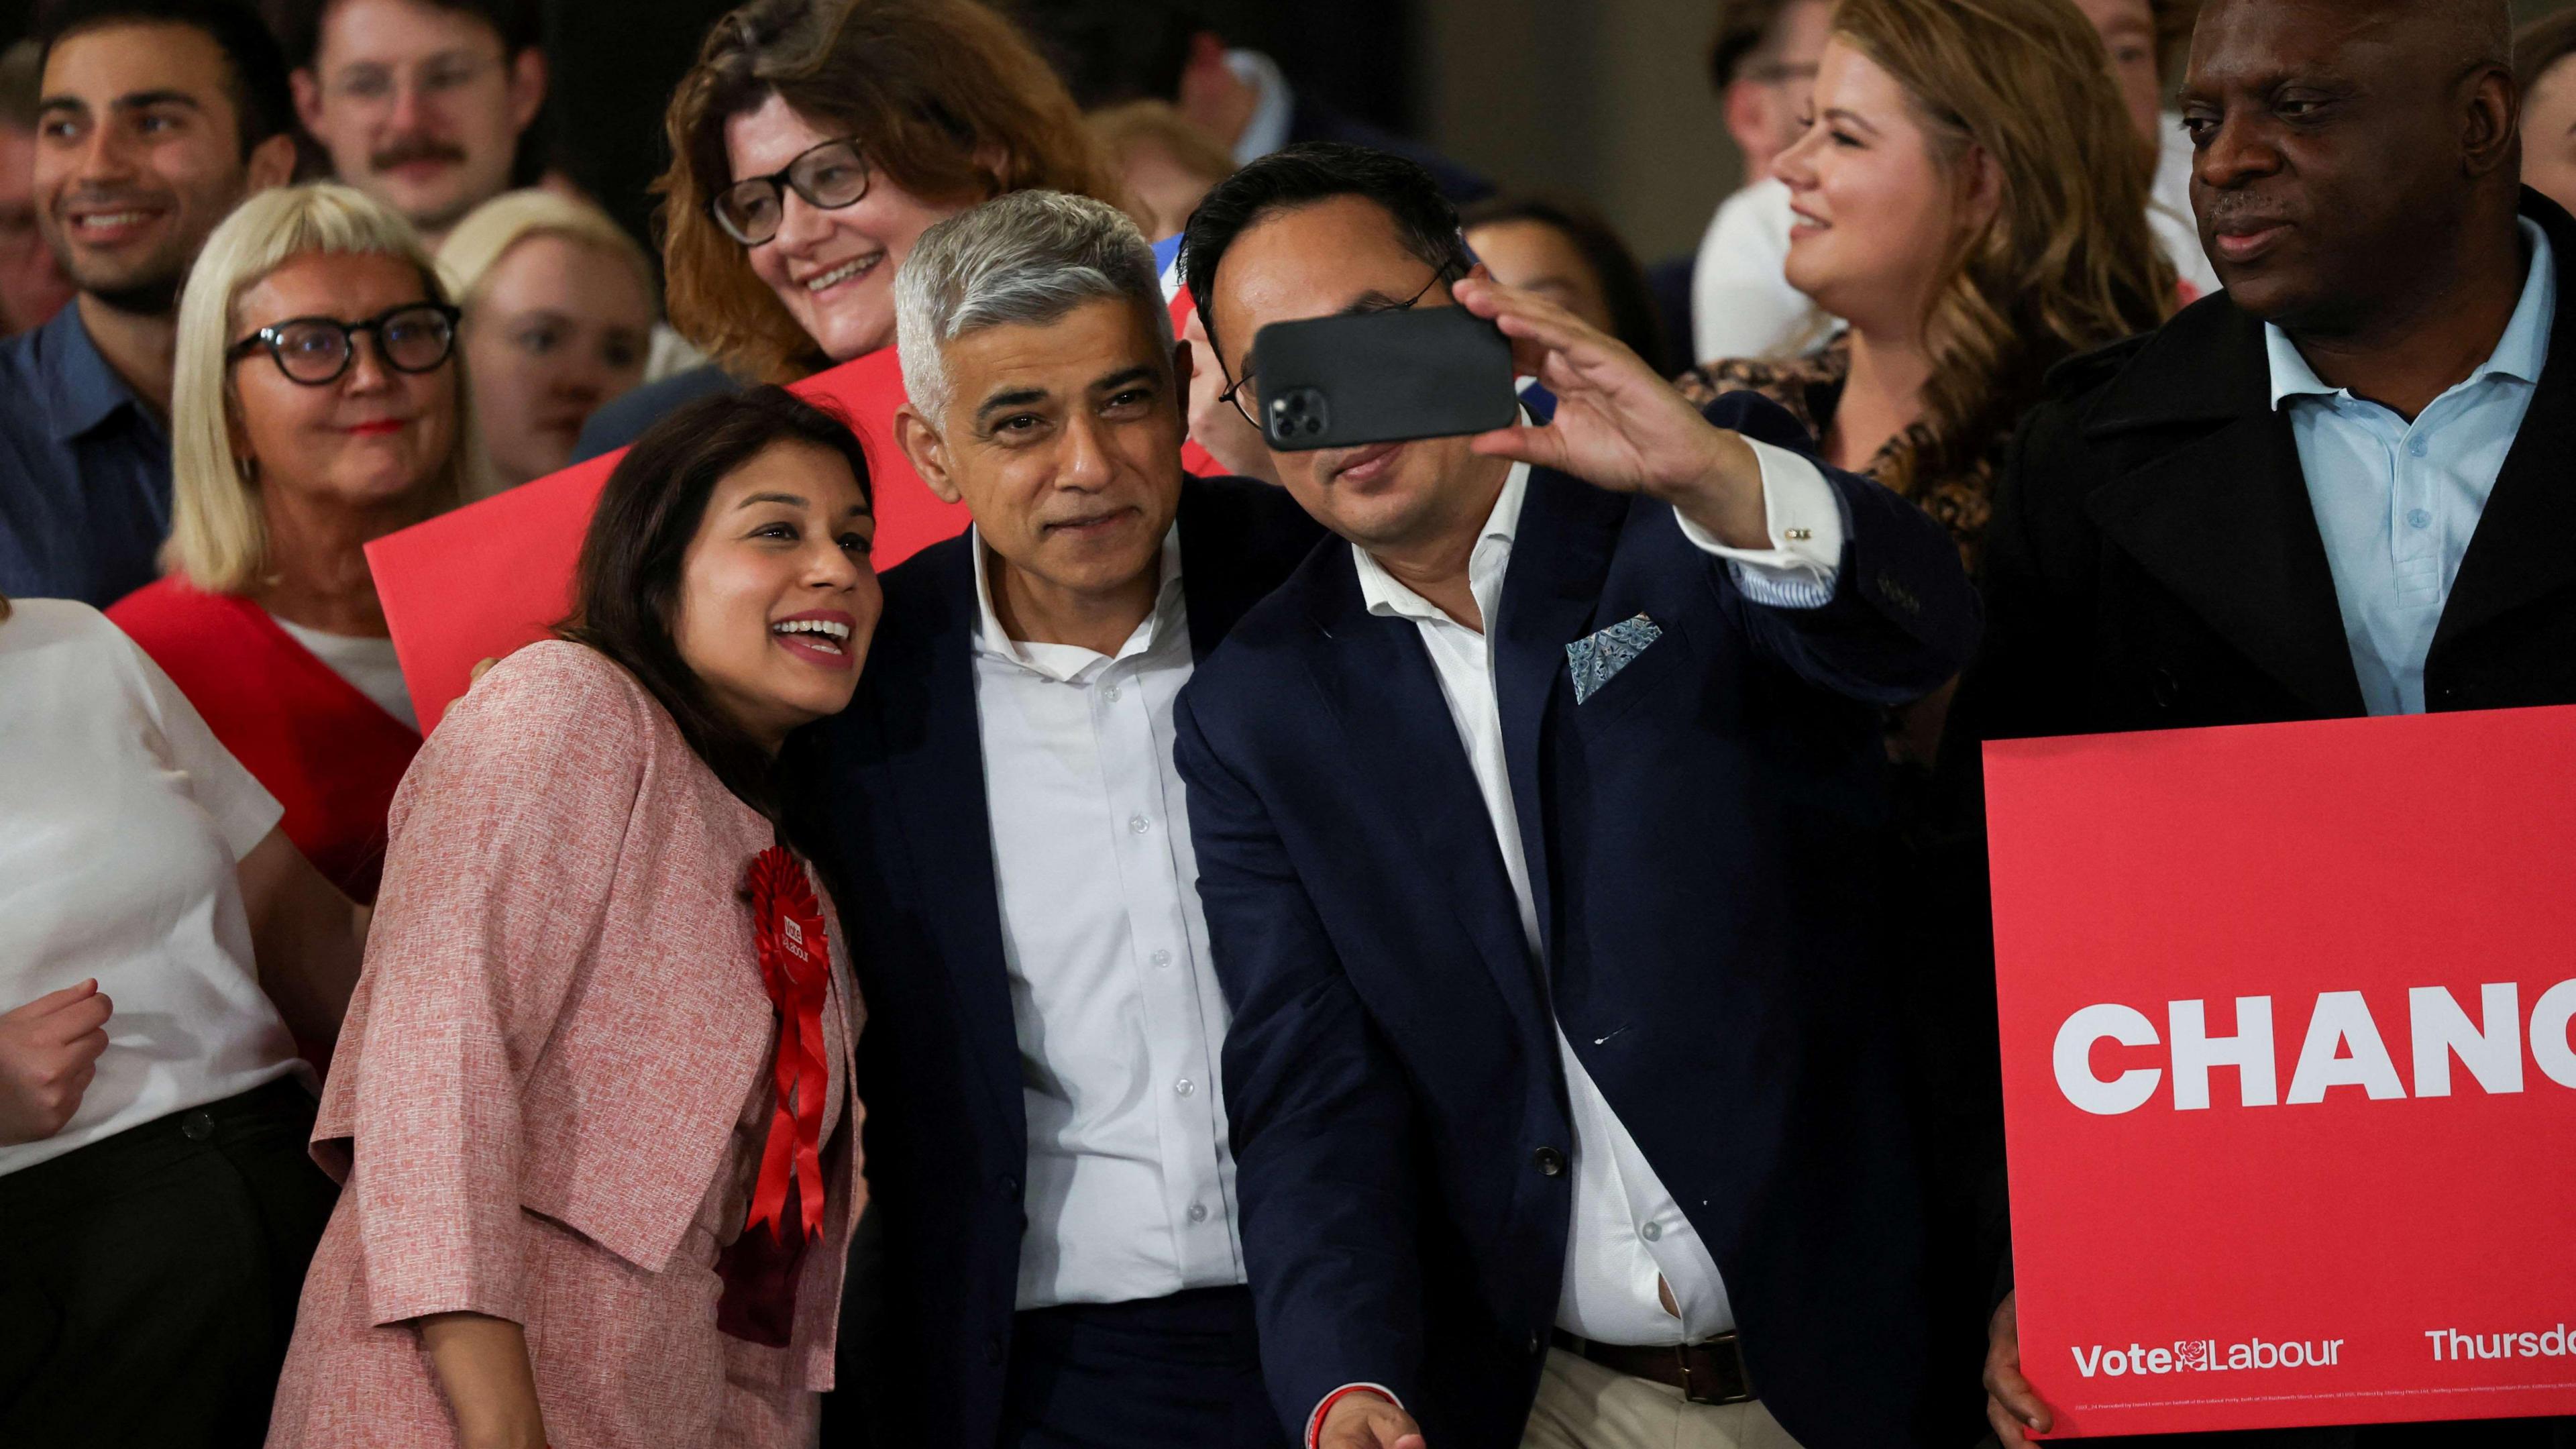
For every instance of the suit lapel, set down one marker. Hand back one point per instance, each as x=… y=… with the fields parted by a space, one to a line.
x=1211 y=587
x=1561 y=552
x=2524 y=548
x=1396 y=727
x=938 y=780
x=2224 y=522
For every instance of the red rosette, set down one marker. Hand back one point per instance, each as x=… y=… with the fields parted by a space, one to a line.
x=795 y=967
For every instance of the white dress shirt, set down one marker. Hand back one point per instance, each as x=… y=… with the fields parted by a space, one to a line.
x=1627 y=1232
x=2397 y=502
x=1130 y=1182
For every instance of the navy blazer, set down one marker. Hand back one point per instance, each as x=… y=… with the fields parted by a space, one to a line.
x=905 y=835
x=1700 y=836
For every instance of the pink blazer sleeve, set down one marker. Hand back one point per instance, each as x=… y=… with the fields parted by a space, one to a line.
x=505 y=841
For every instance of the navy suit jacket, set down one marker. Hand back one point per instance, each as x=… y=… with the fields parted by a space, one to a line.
x=903 y=830
x=1699 y=835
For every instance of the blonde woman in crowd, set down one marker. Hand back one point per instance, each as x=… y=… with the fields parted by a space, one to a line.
x=318 y=403
x=1969 y=195
x=811 y=145
x=162 y=944
x=559 y=318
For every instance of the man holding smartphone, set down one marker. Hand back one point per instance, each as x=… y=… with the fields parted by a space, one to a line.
x=1533 y=833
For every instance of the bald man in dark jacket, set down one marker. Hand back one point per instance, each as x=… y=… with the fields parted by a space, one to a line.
x=2200 y=528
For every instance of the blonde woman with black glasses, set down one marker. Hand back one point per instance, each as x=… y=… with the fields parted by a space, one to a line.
x=319 y=402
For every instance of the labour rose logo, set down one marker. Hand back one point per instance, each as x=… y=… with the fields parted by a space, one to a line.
x=2192 y=1355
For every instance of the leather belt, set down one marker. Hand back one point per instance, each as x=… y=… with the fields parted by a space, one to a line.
x=1706 y=1373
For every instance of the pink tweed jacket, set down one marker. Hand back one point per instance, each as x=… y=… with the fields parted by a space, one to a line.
x=560 y=1023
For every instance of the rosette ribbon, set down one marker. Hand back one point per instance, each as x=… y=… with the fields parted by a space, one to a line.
x=795 y=965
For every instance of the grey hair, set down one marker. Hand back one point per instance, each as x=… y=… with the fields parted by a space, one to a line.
x=1023 y=259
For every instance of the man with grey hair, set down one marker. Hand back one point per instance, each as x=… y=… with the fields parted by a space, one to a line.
x=1046 y=1140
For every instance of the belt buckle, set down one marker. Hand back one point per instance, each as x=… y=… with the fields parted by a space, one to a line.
x=1742 y=1392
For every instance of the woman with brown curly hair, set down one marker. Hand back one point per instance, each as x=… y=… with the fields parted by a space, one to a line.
x=811 y=145
x=1970 y=197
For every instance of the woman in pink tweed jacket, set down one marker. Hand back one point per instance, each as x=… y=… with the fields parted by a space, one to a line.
x=554 y=1088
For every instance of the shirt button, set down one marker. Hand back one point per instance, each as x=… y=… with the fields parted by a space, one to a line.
x=1198 y=1212
x=1652 y=1232
x=2419 y=447
x=1110 y=694
x=1161 y=958
x=1138 y=824
x=197 y=1126
x=1185 y=1086
x=2419 y=519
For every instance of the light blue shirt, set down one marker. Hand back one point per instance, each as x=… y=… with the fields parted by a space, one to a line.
x=2398 y=503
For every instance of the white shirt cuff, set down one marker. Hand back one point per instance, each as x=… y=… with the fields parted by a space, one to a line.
x=1807 y=531
x=1315 y=1420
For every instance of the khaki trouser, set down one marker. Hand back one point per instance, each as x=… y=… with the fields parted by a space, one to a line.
x=1582 y=1405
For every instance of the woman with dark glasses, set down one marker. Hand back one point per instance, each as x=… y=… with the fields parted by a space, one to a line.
x=811 y=145
x=317 y=403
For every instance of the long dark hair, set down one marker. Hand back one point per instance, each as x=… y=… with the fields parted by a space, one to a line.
x=626 y=595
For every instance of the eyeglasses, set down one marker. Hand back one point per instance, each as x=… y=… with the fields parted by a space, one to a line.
x=1246 y=398
x=830 y=176
x=315 y=351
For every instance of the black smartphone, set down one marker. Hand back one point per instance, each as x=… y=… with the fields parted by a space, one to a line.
x=1381 y=377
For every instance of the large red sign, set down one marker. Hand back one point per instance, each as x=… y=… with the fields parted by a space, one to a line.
x=2288 y=1085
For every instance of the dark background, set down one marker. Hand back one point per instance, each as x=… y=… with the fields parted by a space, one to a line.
x=1606 y=100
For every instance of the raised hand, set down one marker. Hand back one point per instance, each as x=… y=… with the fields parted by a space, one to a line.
x=1365 y=1421
x=2011 y=1404
x=49 y=1051
x=1618 y=425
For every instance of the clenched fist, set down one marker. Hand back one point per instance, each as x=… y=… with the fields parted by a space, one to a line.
x=48 y=1054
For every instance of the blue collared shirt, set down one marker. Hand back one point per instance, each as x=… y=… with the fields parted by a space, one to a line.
x=2398 y=502
x=84 y=471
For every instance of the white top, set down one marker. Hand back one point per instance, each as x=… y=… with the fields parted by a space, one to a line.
x=2169 y=213
x=1743 y=306
x=1627 y=1231
x=126 y=821
x=369 y=665
x=1130 y=1181
x=1266 y=129
x=1741 y=302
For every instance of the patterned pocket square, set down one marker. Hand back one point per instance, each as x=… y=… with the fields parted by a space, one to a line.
x=1595 y=660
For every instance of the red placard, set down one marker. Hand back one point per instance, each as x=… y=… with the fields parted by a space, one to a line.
x=487 y=578
x=2373 y=1217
